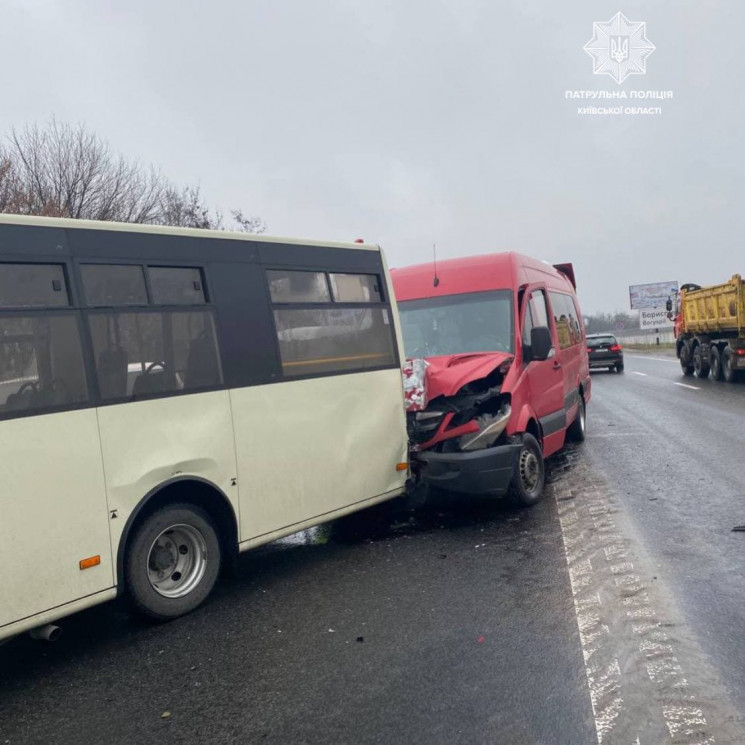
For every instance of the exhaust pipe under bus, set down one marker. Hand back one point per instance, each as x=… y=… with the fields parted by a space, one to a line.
x=48 y=633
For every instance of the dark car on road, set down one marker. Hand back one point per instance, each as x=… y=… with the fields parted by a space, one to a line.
x=604 y=350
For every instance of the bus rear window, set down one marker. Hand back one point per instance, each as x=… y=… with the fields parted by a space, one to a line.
x=318 y=341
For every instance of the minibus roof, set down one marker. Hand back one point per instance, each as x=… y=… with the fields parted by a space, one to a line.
x=495 y=271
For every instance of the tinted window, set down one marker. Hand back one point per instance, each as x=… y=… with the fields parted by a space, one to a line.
x=298 y=287
x=334 y=340
x=110 y=285
x=356 y=288
x=457 y=324
x=29 y=285
x=565 y=317
x=176 y=286
x=601 y=341
x=41 y=365
x=139 y=354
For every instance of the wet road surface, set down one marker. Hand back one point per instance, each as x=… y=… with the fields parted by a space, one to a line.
x=455 y=626
x=673 y=447
x=613 y=610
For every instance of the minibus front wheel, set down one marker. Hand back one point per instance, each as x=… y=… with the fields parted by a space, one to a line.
x=529 y=476
x=172 y=562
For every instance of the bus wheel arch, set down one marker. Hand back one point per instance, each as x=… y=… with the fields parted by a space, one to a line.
x=203 y=499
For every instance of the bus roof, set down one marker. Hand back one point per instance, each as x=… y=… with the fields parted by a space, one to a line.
x=66 y=223
x=495 y=271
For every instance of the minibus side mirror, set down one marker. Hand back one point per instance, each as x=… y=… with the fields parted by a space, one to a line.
x=540 y=343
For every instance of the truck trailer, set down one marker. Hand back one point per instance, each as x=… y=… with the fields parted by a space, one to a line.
x=710 y=329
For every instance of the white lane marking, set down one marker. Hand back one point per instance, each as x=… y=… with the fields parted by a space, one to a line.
x=691 y=387
x=644 y=375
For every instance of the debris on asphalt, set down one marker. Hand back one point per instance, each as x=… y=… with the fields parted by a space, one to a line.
x=165 y=715
x=360 y=638
x=738 y=529
x=480 y=639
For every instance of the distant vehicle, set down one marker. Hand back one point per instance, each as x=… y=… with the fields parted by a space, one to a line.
x=710 y=329
x=603 y=350
x=497 y=370
x=169 y=397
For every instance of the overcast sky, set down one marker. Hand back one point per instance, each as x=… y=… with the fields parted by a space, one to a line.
x=409 y=122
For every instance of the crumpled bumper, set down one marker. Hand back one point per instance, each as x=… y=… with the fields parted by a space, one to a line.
x=485 y=472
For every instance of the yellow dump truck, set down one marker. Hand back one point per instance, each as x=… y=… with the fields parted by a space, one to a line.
x=710 y=329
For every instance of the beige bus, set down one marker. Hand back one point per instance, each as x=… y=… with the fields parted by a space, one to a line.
x=170 y=397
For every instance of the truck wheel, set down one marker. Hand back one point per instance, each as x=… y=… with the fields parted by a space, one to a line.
x=529 y=476
x=715 y=362
x=700 y=363
x=728 y=370
x=684 y=353
x=576 y=430
x=172 y=562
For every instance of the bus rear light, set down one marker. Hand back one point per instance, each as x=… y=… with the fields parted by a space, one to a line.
x=402 y=466
x=740 y=351
x=91 y=561
x=415 y=384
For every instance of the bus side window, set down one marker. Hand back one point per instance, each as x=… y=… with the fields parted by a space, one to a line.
x=41 y=361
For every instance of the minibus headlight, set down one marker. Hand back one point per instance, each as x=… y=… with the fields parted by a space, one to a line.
x=490 y=427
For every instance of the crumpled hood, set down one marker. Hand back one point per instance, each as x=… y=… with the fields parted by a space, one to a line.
x=447 y=374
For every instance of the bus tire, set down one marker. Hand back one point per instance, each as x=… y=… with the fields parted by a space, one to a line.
x=529 y=477
x=172 y=561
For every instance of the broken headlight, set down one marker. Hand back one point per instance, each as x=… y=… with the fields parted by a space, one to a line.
x=490 y=427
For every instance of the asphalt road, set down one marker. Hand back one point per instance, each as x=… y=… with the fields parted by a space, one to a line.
x=456 y=626
x=673 y=448
x=612 y=610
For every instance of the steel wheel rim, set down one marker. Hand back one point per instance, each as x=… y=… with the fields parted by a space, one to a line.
x=177 y=561
x=529 y=470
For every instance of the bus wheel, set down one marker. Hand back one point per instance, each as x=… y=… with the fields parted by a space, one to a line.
x=529 y=477
x=715 y=360
x=172 y=562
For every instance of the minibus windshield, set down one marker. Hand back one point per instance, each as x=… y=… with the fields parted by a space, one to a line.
x=458 y=324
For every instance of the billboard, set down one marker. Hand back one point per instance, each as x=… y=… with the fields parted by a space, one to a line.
x=652 y=295
x=654 y=318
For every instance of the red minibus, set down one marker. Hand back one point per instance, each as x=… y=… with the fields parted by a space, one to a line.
x=497 y=374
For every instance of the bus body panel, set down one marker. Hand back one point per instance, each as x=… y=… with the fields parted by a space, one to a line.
x=41 y=546
x=87 y=444
x=149 y=443
x=318 y=448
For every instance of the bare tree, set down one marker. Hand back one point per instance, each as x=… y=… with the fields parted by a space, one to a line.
x=65 y=171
